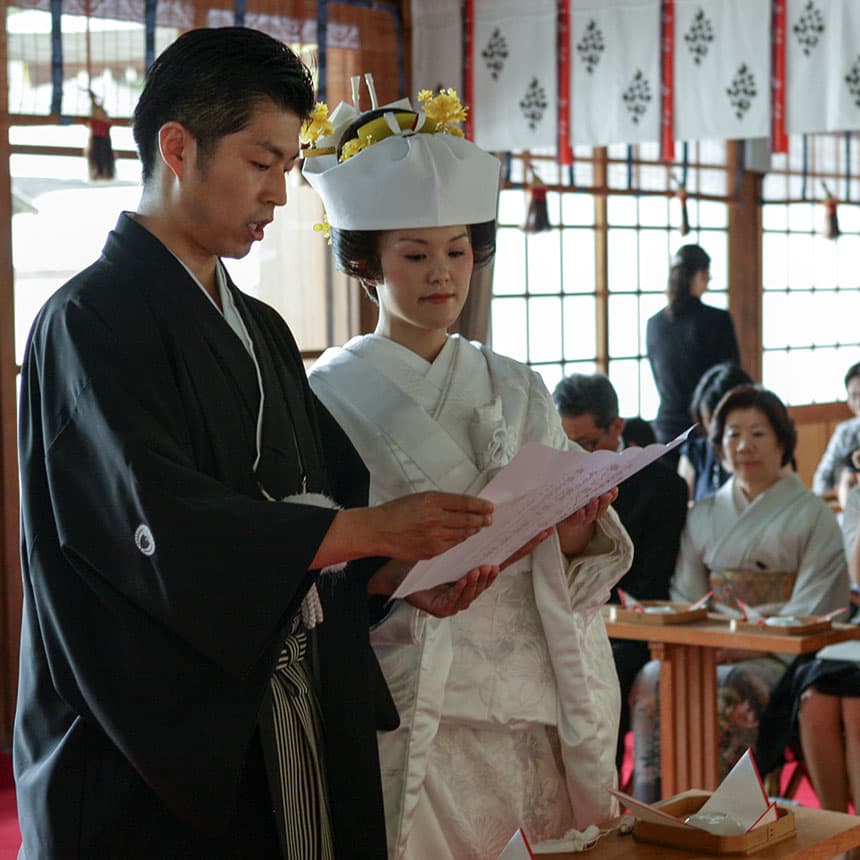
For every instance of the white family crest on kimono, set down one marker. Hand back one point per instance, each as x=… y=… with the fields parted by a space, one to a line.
x=529 y=660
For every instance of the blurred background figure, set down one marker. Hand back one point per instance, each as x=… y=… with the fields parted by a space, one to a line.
x=652 y=506
x=837 y=463
x=637 y=433
x=849 y=520
x=698 y=466
x=685 y=339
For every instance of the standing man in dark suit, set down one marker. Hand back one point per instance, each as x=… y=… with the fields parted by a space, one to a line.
x=652 y=505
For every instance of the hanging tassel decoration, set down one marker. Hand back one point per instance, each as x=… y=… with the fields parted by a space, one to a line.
x=831 y=225
x=682 y=197
x=685 y=218
x=537 y=218
x=100 y=156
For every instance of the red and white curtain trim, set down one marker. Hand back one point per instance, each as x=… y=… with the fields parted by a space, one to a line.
x=558 y=73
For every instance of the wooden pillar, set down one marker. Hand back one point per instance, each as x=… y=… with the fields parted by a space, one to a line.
x=745 y=264
x=601 y=262
x=10 y=584
x=689 y=735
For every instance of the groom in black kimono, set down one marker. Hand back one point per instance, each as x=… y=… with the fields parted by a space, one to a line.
x=176 y=698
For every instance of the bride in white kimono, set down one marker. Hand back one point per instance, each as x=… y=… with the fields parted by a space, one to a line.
x=763 y=538
x=509 y=710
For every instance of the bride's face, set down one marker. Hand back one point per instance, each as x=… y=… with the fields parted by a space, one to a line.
x=425 y=277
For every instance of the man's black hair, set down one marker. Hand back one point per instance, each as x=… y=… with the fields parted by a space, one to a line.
x=211 y=81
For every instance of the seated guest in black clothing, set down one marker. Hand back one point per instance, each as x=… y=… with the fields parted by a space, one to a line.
x=652 y=505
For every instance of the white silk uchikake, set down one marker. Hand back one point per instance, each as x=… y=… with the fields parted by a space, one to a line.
x=312 y=611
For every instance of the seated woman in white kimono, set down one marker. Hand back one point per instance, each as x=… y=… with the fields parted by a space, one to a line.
x=508 y=710
x=763 y=539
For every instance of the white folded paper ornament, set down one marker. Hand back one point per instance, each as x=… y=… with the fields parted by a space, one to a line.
x=404 y=175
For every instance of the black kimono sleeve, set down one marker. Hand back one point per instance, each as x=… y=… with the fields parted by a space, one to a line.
x=155 y=592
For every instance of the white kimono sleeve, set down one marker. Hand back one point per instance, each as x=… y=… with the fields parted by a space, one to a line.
x=690 y=580
x=822 y=572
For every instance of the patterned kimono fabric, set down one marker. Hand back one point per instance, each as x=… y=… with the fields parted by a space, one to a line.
x=780 y=553
x=490 y=726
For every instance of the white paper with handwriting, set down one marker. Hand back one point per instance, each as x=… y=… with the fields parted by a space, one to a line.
x=538 y=488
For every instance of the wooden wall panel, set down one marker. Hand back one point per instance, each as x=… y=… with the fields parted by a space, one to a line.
x=814 y=425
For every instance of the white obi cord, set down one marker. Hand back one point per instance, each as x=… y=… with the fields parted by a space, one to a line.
x=312 y=611
x=493 y=441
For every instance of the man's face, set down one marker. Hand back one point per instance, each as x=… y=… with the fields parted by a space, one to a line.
x=228 y=200
x=583 y=430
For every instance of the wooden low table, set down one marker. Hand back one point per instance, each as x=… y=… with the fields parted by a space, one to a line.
x=688 y=686
x=820 y=836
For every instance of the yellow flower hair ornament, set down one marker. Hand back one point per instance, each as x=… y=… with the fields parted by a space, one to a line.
x=317 y=125
x=354 y=146
x=444 y=109
x=324 y=227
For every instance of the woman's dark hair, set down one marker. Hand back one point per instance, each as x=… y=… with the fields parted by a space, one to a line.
x=356 y=252
x=638 y=431
x=689 y=260
x=713 y=385
x=755 y=397
x=212 y=81
x=853 y=371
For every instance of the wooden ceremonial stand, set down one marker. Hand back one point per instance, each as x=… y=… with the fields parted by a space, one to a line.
x=821 y=835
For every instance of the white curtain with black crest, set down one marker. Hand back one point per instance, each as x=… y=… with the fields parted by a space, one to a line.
x=722 y=69
x=437 y=46
x=822 y=65
x=515 y=75
x=615 y=71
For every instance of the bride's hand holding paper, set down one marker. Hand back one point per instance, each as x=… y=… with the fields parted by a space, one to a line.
x=453 y=597
x=448 y=599
x=576 y=530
